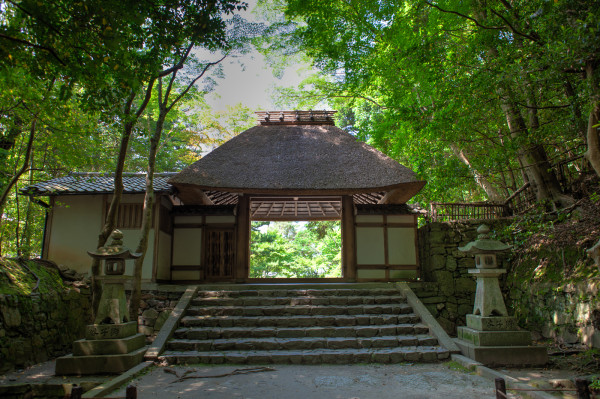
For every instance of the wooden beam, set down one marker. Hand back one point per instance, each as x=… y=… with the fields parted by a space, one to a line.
x=402 y=194
x=242 y=242
x=192 y=195
x=348 y=239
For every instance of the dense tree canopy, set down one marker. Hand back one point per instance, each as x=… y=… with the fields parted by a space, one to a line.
x=477 y=97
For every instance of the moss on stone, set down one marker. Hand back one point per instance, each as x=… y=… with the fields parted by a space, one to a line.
x=20 y=277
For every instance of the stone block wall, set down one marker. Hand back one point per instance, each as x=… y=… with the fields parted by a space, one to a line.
x=568 y=314
x=155 y=308
x=39 y=327
x=445 y=286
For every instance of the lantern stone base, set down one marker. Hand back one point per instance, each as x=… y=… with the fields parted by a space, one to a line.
x=98 y=364
x=107 y=349
x=496 y=341
x=494 y=338
x=491 y=323
x=504 y=355
x=85 y=347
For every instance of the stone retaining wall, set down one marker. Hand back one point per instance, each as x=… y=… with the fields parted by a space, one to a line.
x=39 y=327
x=566 y=313
x=155 y=308
x=447 y=289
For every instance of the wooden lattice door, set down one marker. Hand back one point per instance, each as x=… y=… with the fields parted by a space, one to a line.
x=220 y=254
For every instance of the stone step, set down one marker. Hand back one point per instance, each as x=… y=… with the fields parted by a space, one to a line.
x=311 y=356
x=390 y=341
x=316 y=293
x=298 y=321
x=298 y=300
x=280 y=310
x=299 y=332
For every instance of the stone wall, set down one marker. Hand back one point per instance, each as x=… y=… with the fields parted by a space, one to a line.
x=566 y=313
x=39 y=327
x=446 y=288
x=155 y=308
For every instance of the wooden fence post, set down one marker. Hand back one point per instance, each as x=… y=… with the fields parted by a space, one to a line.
x=583 y=389
x=76 y=392
x=500 y=388
x=131 y=392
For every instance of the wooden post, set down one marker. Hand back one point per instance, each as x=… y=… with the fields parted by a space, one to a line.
x=583 y=389
x=500 y=388
x=131 y=392
x=348 y=239
x=242 y=243
x=76 y=392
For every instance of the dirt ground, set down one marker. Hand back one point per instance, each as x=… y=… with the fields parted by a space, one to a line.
x=407 y=381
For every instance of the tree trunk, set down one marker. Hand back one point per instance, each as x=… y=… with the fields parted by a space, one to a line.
x=593 y=141
x=25 y=247
x=481 y=180
x=17 y=176
x=111 y=217
x=136 y=292
x=533 y=156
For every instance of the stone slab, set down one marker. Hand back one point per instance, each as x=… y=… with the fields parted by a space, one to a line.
x=98 y=364
x=494 y=338
x=517 y=356
x=107 y=387
x=492 y=323
x=110 y=331
x=427 y=318
x=85 y=347
x=171 y=324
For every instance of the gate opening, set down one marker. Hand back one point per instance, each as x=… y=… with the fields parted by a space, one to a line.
x=295 y=249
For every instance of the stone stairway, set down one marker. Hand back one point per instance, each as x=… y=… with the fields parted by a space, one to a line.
x=302 y=326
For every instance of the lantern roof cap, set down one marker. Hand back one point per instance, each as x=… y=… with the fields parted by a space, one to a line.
x=115 y=249
x=484 y=244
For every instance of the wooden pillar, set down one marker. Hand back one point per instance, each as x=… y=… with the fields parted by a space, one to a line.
x=242 y=242
x=348 y=239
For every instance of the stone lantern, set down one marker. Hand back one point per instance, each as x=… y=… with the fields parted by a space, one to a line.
x=491 y=335
x=113 y=304
x=112 y=344
x=488 y=297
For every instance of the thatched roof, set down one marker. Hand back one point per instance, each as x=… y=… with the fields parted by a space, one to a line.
x=296 y=159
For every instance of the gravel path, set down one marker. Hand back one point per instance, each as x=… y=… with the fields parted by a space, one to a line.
x=405 y=381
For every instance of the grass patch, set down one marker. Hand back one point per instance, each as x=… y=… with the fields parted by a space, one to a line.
x=456 y=366
x=20 y=277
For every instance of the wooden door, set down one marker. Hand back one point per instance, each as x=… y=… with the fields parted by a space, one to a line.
x=219 y=257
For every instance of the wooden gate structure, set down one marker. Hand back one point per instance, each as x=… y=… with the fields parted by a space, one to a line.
x=294 y=166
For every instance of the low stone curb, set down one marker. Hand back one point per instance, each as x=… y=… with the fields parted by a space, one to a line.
x=105 y=388
x=167 y=330
x=490 y=374
x=426 y=318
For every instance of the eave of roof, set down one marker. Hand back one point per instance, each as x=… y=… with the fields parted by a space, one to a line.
x=96 y=183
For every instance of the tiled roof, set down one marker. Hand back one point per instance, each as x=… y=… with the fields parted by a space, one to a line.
x=97 y=183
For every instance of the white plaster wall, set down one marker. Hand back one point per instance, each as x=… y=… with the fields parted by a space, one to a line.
x=401 y=246
x=76 y=222
x=187 y=244
x=369 y=246
x=131 y=237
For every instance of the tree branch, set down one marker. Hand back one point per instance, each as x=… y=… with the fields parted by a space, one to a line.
x=189 y=86
x=476 y=22
x=179 y=65
x=513 y=29
x=17 y=5
x=28 y=43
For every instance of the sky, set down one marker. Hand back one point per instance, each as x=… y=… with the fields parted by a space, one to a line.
x=249 y=80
